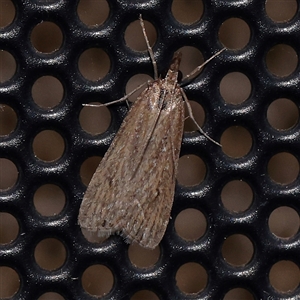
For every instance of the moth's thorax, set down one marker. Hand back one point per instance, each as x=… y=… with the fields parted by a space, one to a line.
x=163 y=94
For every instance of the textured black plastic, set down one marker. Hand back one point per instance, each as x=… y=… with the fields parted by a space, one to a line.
x=251 y=114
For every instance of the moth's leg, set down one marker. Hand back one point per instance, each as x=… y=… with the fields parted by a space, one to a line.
x=149 y=48
x=193 y=118
x=197 y=69
x=119 y=100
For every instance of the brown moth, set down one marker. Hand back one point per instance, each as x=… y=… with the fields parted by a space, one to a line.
x=131 y=193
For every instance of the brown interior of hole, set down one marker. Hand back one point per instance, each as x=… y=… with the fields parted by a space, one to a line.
x=238 y=294
x=237 y=250
x=134 y=38
x=190 y=224
x=88 y=168
x=191 y=170
x=283 y=168
x=8 y=174
x=94 y=120
x=7 y=13
x=49 y=200
x=8 y=120
x=46 y=37
x=235 y=88
x=50 y=254
x=284 y=222
x=234 y=33
x=93 y=13
x=8 y=66
x=283 y=114
x=94 y=64
x=191 y=278
x=236 y=141
x=48 y=145
x=51 y=296
x=144 y=295
x=236 y=196
x=281 y=60
x=10 y=282
x=284 y=276
x=97 y=280
x=47 y=92
x=281 y=11
x=187 y=12
x=9 y=228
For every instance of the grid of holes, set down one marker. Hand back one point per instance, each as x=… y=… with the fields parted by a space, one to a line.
x=254 y=230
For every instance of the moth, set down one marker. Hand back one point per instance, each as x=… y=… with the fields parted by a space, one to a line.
x=131 y=192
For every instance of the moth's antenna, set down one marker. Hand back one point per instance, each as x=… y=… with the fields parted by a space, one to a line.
x=149 y=48
x=197 y=69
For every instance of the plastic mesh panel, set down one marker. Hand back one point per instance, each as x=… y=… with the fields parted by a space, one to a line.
x=253 y=167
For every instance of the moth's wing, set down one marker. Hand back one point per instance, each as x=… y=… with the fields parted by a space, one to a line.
x=105 y=196
x=132 y=190
x=151 y=190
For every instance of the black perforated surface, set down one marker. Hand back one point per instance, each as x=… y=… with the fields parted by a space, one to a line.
x=64 y=118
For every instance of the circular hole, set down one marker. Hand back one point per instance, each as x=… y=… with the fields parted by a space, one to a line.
x=8 y=174
x=50 y=254
x=235 y=88
x=190 y=224
x=236 y=141
x=191 y=278
x=283 y=114
x=93 y=13
x=234 y=33
x=284 y=222
x=7 y=66
x=281 y=11
x=187 y=12
x=9 y=228
x=237 y=250
x=236 y=196
x=51 y=296
x=97 y=280
x=46 y=37
x=48 y=145
x=199 y=115
x=134 y=38
x=94 y=64
x=144 y=295
x=8 y=120
x=283 y=168
x=94 y=120
x=282 y=60
x=141 y=257
x=7 y=13
x=134 y=82
x=49 y=200
x=191 y=59
x=284 y=276
x=47 y=92
x=238 y=293
x=88 y=169
x=191 y=170
x=9 y=282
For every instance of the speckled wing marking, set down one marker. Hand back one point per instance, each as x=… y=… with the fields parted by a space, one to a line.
x=132 y=190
